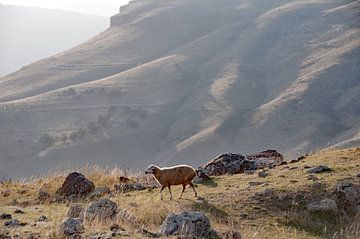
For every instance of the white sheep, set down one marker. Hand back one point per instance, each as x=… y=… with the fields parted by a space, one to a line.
x=177 y=175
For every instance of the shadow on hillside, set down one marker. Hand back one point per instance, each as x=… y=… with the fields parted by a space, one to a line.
x=208 y=208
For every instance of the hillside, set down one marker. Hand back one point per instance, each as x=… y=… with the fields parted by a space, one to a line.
x=175 y=82
x=256 y=207
x=29 y=34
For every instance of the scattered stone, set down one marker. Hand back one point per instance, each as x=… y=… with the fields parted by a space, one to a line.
x=5 y=216
x=101 y=211
x=148 y=234
x=42 y=218
x=299 y=159
x=76 y=184
x=294 y=181
x=14 y=223
x=263 y=174
x=283 y=163
x=99 y=192
x=18 y=211
x=307 y=167
x=293 y=168
x=188 y=224
x=312 y=177
x=320 y=169
x=325 y=205
x=116 y=227
x=76 y=211
x=71 y=228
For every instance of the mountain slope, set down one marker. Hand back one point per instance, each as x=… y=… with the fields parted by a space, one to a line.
x=29 y=34
x=182 y=81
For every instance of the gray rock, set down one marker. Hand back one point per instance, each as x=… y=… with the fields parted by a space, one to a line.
x=347 y=196
x=76 y=211
x=71 y=228
x=76 y=184
x=263 y=174
x=14 y=223
x=325 y=205
x=19 y=211
x=188 y=224
x=5 y=216
x=99 y=192
x=101 y=211
x=42 y=218
x=319 y=169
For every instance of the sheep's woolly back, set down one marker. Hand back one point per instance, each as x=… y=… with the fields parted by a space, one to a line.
x=176 y=175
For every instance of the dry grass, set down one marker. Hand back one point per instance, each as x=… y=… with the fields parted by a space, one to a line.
x=229 y=201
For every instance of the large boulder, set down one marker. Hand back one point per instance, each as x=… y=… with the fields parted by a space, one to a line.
x=101 y=211
x=228 y=164
x=71 y=228
x=187 y=224
x=347 y=196
x=76 y=184
x=326 y=205
x=237 y=163
x=266 y=159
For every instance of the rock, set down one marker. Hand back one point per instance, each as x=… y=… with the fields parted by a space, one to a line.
x=256 y=183
x=42 y=218
x=266 y=159
x=266 y=193
x=307 y=167
x=6 y=193
x=263 y=174
x=228 y=164
x=347 y=196
x=101 y=211
x=71 y=228
x=76 y=184
x=43 y=196
x=18 y=211
x=312 y=177
x=14 y=223
x=358 y=175
x=319 y=169
x=116 y=227
x=123 y=179
x=76 y=211
x=99 y=192
x=201 y=176
x=148 y=234
x=129 y=187
x=188 y=224
x=325 y=205
x=299 y=159
x=5 y=216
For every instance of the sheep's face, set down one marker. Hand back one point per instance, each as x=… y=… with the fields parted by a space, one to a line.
x=151 y=169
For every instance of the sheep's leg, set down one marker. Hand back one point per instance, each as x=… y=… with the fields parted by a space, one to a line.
x=183 y=190
x=170 y=192
x=192 y=185
x=161 y=195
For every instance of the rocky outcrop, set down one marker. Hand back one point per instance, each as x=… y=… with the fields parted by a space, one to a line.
x=76 y=184
x=326 y=205
x=76 y=211
x=237 y=163
x=101 y=211
x=319 y=169
x=187 y=224
x=347 y=196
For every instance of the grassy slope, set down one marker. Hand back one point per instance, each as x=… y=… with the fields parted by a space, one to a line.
x=229 y=201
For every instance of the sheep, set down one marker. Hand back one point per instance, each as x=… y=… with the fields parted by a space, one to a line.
x=177 y=175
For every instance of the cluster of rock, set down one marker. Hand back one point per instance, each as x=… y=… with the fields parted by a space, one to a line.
x=105 y=211
x=238 y=163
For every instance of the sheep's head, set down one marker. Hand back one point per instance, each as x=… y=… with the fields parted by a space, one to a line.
x=151 y=169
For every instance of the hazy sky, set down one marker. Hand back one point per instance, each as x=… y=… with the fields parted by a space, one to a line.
x=97 y=7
